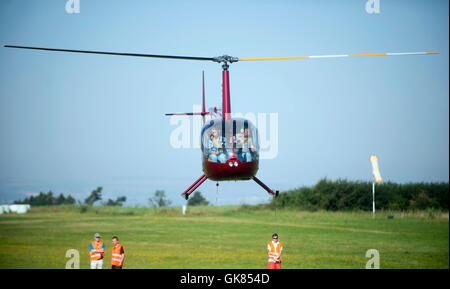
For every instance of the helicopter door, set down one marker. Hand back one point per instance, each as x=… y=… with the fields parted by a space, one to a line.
x=213 y=142
x=246 y=140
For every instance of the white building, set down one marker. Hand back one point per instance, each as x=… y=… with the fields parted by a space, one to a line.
x=4 y=209
x=19 y=209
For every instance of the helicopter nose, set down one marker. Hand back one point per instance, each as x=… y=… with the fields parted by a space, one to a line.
x=233 y=161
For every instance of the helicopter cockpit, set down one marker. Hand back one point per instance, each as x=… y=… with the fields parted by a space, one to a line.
x=220 y=139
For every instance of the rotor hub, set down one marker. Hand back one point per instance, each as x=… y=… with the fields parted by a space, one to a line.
x=225 y=59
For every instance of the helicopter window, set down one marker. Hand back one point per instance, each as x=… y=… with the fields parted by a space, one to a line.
x=246 y=143
x=213 y=142
x=220 y=138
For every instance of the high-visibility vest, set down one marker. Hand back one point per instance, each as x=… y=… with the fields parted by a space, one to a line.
x=116 y=255
x=97 y=255
x=216 y=142
x=274 y=249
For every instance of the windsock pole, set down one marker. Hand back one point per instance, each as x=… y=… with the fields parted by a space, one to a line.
x=373 y=197
x=376 y=177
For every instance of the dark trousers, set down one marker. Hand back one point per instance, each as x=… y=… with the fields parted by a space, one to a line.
x=115 y=267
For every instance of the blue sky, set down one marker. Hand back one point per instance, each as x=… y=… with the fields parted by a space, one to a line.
x=71 y=122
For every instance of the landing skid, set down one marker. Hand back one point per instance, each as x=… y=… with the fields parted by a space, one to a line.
x=194 y=186
x=203 y=178
x=258 y=181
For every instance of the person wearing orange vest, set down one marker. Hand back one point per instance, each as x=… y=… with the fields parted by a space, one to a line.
x=274 y=249
x=118 y=254
x=97 y=252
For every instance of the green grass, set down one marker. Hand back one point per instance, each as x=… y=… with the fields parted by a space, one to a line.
x=225 y=237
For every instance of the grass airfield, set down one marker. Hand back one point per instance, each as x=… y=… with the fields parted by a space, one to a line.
x=225 y=237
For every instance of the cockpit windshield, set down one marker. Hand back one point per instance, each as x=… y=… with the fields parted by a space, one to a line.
x=220 y=139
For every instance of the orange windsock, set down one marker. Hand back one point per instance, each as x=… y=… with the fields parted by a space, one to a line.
x=375 y=169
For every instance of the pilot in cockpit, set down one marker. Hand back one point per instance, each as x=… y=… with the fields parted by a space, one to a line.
x=246 y=146
x=215 y=149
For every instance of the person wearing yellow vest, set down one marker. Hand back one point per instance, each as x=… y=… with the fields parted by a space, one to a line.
x=215 y=149
x=245 y=145
x=118 y=254
x=97 y=252
x=274 y=249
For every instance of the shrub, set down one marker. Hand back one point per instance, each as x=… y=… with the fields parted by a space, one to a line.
x=356 y=195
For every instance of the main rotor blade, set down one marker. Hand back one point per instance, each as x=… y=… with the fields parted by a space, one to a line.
x=335 y=56
x=113 y=53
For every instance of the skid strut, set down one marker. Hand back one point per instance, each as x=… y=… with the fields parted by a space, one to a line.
x=194 y=186
x=258 y=181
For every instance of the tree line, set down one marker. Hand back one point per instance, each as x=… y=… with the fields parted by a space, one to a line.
x=159 y=199
x=357 y=195
x=48 y=199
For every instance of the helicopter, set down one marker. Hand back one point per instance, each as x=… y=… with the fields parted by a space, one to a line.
x=229 y=145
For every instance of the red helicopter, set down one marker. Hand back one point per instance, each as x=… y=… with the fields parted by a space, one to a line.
x=230 y=149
